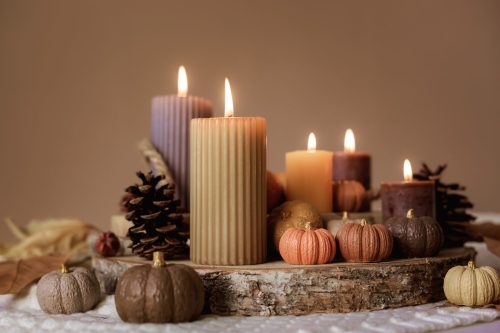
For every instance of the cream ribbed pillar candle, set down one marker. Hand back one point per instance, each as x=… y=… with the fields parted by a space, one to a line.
x=228 y=187
x=170 y=123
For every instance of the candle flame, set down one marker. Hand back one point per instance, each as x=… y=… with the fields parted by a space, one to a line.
x=349 y=141
x=311 y=142
x=182 y=82
x=228 y=105
x=407 y=172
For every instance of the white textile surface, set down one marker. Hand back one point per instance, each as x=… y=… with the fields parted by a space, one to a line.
x=22 y=314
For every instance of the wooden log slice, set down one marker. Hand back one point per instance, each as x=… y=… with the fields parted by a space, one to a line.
x=277 y=288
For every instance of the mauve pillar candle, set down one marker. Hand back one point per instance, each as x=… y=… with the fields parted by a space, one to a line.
x=170 y=132
x=399 y=197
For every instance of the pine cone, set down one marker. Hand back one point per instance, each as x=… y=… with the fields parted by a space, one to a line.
x=451 y=207
x=157 y=221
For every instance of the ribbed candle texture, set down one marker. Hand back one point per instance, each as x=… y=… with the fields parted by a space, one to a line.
x=170 y=124
x=228 y=186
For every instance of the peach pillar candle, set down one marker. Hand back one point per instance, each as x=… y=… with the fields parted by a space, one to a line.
x=228 y=189
x=170 y=122
x=309 y=176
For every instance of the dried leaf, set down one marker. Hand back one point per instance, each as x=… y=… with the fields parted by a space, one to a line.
x=486 y=229
x=52 y=236
x=15 y=275
x=493 y=245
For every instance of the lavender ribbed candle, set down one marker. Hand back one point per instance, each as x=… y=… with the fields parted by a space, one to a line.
x=170 y=126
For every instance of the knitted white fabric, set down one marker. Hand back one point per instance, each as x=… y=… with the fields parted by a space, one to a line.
x=22 y=314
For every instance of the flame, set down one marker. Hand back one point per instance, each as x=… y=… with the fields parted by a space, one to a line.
x=311 y=142
x=182 y=82
x=228 y=105
x=407 y=172
x=349 y=141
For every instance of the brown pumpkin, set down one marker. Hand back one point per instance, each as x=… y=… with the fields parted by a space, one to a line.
x=349 y=196
x=68 y=291
x=364 y=243
x=292 y=214
x=307 y=247
x=159 y=293
x=415 y=236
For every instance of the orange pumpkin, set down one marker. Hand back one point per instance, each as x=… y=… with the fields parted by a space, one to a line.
x=364 y=242
x=307 y=247
x=349 y=196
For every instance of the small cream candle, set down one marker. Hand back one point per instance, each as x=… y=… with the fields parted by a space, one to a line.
x=228 y=187
x=309 y=176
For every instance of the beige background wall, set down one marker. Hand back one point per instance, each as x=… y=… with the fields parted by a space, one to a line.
x=417 y=79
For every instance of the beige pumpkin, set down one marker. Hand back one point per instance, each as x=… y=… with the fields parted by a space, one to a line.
x=68 y=291
x=471 y=286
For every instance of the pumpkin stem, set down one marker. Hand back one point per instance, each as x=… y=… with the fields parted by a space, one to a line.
x=410 y=214
x=158 y=259
x=345 y=215
x=363 y=222
x=64 y=269
x=308 y=226
x=471 y=264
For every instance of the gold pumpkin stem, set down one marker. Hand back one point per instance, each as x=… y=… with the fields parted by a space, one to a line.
x=471 y=264
x=308 y=226
x=345 y=215
x=410 y=214
x=64 y=269
x=363 y=222
x=158 y=259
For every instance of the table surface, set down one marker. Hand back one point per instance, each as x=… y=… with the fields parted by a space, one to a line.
x=22 y=314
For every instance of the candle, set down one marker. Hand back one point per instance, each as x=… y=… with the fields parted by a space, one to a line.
x=228 y=186
x=170 y=123
x=351 y=164
x=399 y=197
x=309 y=176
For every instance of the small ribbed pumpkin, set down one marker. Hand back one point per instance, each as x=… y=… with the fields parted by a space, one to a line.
x=364 y=242
x=471 y=286
x=307 y=246
x=415 y=236
x=349 y=196
x=159 y=293
x=68 y=291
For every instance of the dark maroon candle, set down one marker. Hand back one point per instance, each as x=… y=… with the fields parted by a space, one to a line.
x=352 y=165
x=399 y=197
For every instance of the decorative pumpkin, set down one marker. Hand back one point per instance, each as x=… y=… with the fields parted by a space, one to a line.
x=275 y=193
x=349 y=196
x=471 y=286
x=335 y=224
x=68 y=291
x=364 y=242
x=159 y=293
x=292 y=214
x=307 y=247
x=415 y=236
